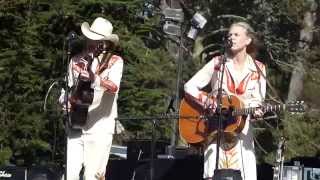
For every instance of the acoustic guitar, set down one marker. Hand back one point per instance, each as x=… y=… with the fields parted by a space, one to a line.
x=195 y=125
x=81 y=98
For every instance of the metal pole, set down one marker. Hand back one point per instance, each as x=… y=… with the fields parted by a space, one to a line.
x=177 y=98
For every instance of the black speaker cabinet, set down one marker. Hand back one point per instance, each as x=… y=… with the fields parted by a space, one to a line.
x=189 y=168
x=44 y=173
x=12 y=173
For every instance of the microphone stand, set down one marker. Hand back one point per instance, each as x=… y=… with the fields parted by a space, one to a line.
x=67 y=115
x=153 y=148
x=219 y=108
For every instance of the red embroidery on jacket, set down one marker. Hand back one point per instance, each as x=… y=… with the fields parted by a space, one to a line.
x=109 y=86
x=255 y=76
x=260 y=64
x=79 y=66
x=230 y=82
x=112 y=60
x=78 y=63
x=242 y=85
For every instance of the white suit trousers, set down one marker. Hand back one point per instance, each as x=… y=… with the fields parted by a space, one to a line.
x=90 y=151
x=241 y=157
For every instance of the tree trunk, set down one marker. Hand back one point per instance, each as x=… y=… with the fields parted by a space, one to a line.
x=306 y=37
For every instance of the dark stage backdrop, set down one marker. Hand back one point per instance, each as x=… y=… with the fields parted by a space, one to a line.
x=189 y=168
x=164 y=169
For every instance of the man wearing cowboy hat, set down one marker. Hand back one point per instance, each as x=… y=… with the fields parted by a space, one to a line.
x=89 y=146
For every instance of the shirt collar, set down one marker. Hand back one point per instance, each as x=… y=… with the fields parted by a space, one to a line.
x=251 y=64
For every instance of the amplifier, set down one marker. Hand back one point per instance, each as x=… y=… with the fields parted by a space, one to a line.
x=311 y=173
x=292 y=173
x=141 y=149
x=13 y=173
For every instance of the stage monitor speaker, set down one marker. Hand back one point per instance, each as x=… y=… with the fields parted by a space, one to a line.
x=311 y=173
x=292 y=173
x=264 y=171
x=12 y=173
x=190 y=168
x=143 y=147
x=227 y=174
x=44 y=173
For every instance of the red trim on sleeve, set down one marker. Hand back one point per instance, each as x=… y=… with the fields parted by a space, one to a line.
x=109 y=86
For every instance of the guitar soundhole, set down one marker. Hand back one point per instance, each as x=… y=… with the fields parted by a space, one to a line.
x=80 y=117
x=227 y=119
x=87 y=96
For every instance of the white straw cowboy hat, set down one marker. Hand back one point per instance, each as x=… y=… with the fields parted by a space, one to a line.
x=101 y=29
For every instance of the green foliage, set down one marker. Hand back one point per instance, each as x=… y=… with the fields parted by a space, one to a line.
x=146 y=86
x=302 y=137
x=5 y=154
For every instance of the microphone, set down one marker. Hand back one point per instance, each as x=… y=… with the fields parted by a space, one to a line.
x=71 y=36
x=227 y=42
x=75 y=43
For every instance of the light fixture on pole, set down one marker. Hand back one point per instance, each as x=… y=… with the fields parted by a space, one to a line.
x=197 y=23
x=173 y=14
x=171 y=28
x=172 y=21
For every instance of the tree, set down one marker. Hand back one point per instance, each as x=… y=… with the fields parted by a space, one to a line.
x=305 y=40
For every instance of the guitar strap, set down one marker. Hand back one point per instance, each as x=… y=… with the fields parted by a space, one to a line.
x=268 y=82
x=104 y=62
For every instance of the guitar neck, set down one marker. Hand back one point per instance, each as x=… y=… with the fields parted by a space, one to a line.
x=251 y=110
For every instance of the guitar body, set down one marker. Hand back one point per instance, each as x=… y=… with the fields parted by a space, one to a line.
x=191 y=127
x=81 y=99
x=195 y=126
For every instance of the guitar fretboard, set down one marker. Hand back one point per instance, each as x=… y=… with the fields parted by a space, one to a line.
x=251 y=110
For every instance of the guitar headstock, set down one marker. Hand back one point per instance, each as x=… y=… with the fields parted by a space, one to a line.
x=295 y=107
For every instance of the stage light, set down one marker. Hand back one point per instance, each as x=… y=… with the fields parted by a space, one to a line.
x=171 y=29
x=175 y=15
x=197 y=23
x=172 y=21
